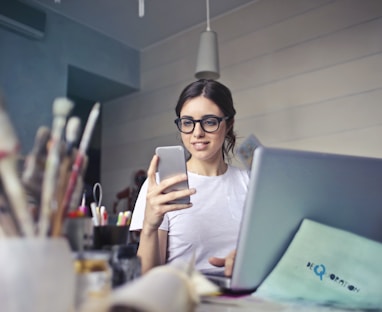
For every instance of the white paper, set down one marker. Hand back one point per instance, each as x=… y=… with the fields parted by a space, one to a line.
x=328 y=266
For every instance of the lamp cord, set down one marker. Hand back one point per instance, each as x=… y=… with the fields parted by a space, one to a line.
x=141 y=8
x=208 y=15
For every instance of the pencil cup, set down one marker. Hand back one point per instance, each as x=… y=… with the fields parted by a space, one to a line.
x=36 y=275
x=106 y=236
x=79 y=232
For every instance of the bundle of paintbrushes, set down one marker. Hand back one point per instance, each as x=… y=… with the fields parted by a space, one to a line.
x=51 y=183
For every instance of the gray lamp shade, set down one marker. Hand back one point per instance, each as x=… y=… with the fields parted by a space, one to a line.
x=207 y=65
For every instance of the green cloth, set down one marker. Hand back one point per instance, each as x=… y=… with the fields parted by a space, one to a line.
x=329 y=266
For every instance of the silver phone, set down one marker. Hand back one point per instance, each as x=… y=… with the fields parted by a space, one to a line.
x=172 y=162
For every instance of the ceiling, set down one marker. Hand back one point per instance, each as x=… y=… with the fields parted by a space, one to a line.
x=119 y=18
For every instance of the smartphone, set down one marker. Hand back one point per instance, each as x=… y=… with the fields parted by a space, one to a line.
x=172 y=161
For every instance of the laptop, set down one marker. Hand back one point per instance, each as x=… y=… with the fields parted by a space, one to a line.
x=287 y=186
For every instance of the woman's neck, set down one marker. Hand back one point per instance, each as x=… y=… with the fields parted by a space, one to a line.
x=206 y=168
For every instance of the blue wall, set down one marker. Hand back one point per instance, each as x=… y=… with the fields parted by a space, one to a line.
x=34 y=72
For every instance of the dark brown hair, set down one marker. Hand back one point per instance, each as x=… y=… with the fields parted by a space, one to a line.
x=221 y=96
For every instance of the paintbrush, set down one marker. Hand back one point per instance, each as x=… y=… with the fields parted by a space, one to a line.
x=8 y=223
x=35 y=161
x=72 y=133
x=61 y=110
x=34 y=166
x=13 y=188
x=77 y=169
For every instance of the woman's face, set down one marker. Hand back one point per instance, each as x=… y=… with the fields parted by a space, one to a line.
x=203 y=145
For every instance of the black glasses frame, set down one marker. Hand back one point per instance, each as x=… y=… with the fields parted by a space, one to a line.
x=200 y=121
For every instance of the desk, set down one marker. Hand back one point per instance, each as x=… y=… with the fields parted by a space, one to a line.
x=233 y=305
x=161 y=290
x=214 y=307
x=240 y=305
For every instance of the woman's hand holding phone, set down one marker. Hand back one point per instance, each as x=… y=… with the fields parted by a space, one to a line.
x=159 y=200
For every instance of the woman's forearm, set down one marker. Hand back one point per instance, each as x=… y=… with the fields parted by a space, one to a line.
x=150 y=249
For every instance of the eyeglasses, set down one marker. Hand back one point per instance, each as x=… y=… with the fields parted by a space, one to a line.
x=209 y=123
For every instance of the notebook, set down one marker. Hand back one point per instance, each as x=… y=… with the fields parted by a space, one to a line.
x=287 y=186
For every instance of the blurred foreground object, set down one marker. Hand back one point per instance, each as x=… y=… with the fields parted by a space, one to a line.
x=9 y=154
x=169 y=288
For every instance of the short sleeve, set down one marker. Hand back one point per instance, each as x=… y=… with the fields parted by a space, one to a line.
x=139 y=209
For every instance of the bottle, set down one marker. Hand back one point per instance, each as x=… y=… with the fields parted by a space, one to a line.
x=93 y=275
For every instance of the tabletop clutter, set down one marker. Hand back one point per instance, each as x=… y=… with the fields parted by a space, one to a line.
x=57 y=254
x=51 y=243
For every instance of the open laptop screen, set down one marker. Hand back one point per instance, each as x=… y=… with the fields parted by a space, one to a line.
x=287 y=186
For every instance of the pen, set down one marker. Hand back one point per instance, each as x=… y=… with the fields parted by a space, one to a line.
x=128 y=217
x=93 y=207
x=83 y=208
x=119 y=219
x=103 y=215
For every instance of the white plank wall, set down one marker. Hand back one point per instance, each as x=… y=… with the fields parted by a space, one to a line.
x=305 y=74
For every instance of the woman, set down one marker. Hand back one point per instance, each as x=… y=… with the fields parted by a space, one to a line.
x=208 y=227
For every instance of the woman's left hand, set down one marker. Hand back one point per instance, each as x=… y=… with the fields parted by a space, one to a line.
x=226 y=262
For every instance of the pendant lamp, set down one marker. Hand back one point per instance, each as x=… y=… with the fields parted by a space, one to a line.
x=207 y=64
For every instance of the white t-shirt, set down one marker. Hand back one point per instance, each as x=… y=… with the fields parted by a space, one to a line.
x=211 y=226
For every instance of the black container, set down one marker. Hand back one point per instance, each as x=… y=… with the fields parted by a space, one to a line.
x=107 y=236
